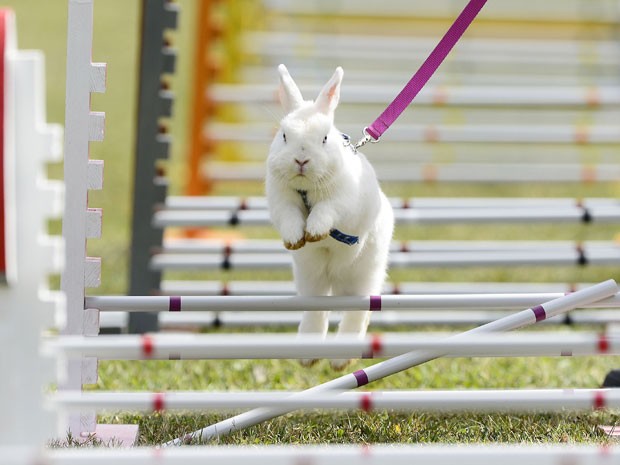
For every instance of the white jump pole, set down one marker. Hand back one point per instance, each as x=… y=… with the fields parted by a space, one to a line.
x=577 y=256
x=469 y=170
x=290 y=346
x=379 y=454
x=208 y=202
x=386 y=319
x=436 y=401
x=340 y=303
x=478 y=133
x=550 y=13
x=221 y=246
x=542 y=215
x=397 y=364
x=569 y=49
x=489 y=96
x=264 y=288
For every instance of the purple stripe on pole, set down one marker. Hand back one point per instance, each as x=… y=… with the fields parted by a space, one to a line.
x=175 y=304
x=375 y=303
x=539 y=313
x=361 y=377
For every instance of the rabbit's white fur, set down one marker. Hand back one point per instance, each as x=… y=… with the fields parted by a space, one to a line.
x=309 y=154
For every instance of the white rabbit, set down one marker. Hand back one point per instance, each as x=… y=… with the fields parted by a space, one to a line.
x=317 y=185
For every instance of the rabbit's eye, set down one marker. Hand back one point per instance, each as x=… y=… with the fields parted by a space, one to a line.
x=284 y=136
x=324 y=139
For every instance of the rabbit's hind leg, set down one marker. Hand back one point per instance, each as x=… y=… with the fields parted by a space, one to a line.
x=310 y=280
x=356 y=323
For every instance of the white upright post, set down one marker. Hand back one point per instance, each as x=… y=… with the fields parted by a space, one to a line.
x=30 y=200
x=81 y=174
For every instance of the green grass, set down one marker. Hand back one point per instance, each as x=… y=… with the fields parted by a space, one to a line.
x=42 y=25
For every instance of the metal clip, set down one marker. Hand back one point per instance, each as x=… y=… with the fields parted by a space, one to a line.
x=365 y=139
x=346 y=140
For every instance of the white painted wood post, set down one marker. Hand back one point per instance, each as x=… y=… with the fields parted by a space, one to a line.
x=81 y=174
x=25 y=305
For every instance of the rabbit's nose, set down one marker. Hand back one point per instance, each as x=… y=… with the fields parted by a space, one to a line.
x=301 y=163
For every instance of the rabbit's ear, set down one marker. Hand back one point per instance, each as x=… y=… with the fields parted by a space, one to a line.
x=289 y=93
x=328 y=98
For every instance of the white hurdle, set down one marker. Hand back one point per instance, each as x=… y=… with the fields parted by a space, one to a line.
x=394 y=365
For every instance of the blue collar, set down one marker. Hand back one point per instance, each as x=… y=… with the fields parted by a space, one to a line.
x=334 y=233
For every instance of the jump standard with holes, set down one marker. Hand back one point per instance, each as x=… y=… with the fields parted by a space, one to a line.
x=78 y=347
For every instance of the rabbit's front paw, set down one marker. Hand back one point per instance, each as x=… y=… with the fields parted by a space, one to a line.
x=318 y=227
x=295 y=245
x=314 y=237
x=292 y=233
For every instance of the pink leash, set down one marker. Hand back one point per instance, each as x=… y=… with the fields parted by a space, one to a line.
x=373 y=132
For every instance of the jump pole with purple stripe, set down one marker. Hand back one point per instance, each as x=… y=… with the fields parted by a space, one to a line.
x=403 y=362
x=373 y=303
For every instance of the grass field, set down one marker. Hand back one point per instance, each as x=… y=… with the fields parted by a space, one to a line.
x=42 y=25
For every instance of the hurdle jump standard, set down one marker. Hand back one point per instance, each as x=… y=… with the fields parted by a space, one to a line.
x=80 y=222
x=155 y=102
x=30 y=200
x=383 y=369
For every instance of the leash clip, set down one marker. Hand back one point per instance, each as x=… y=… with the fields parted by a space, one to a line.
x=346 y=141
x=365 y=139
